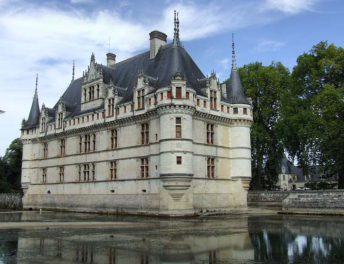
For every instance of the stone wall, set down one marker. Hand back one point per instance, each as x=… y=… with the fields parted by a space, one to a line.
x=264 y=199
x=295 y=200
x=10 y=201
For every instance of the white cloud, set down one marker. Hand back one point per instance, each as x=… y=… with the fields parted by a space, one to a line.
x=80 y=1
x=225 y=63
x=268 y=45
x=291 y=6
x=46 y=40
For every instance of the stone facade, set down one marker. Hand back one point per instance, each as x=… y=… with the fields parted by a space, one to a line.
x=169 y=150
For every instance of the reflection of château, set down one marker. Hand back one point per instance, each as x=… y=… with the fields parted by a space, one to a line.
x=150 y=134
x=120 y=246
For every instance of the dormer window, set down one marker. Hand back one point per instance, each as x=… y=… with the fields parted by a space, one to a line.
x=89 y=94
x=111 y=103
x=85 y=95
x=43 y=124
x=140 y=99
x=98 y=91
x=178 y=92
x=92 y=93
x=213 y=99
x=59 y=120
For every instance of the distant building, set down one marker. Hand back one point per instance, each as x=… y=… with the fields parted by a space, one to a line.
x=291 y=177
x=148 y=135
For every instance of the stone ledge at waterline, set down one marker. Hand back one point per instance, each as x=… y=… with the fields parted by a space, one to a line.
x=298 y=200
x=10 y=201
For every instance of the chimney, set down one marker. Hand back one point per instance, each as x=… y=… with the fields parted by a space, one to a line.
x=111 y=59
x=157 y=39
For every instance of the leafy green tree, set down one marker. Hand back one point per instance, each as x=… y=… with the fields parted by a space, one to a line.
x=266 y=86
x=312 y=112
x=10 y=168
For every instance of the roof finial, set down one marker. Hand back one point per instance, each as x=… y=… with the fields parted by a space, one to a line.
x=36 y=90
x=177 y=27
x=176 y=40
x=92 y=57
x=234 y=66
x=73 y=74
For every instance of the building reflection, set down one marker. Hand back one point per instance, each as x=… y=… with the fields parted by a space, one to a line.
x=249 y=239
x=179 y=248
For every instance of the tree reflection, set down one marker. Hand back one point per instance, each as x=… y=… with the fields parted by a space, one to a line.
x=276 y=246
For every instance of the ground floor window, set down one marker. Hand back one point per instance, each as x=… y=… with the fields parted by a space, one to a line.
x=211 y=168
x=113 y=170
x=144 y=168
x=61 y=174
x=44 y=175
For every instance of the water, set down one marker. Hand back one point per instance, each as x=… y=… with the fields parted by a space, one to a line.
x=225 y=239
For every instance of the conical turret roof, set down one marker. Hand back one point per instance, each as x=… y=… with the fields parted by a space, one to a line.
x=35 y=112
x=235 y=92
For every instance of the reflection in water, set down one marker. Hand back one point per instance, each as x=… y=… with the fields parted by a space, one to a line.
x=295 y=241
x=215 y=240
x=10 y=217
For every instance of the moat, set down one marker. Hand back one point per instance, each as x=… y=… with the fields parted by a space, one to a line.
x=49 y=237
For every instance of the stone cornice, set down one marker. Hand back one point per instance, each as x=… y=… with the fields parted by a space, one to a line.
x=102 y=126
x=176 y=109
x=206 y=117
x=241 y=122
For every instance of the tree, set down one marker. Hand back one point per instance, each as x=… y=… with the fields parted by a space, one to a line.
x=266 y=86
x=313 y=111
x=10 y=168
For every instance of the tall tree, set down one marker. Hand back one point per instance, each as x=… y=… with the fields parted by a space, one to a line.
x=265 y=85
x=313 y=111
x=10 y=167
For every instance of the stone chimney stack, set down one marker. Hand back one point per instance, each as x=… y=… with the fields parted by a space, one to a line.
x=157 y=39
x=111 y=59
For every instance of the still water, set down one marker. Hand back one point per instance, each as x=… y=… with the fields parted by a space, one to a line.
x=225 y=239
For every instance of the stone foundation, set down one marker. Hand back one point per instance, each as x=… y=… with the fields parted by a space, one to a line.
x=298 y=200
x=145 y=197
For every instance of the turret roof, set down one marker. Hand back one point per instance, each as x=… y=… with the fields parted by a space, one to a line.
x=33 y=119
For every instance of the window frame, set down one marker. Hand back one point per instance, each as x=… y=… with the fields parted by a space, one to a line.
x=178 y=126
x=145 y=134
x=210 y=133
x=211 y=168
x=113 y=170
x=144 y=168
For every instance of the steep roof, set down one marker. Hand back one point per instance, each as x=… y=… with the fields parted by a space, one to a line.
x=170 y=59
x=235 y=92
x=33 y=119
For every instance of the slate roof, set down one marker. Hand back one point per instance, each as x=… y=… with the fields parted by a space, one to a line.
x=290 y=168
x=170 y=59
x=235 y=92
x=33 y=119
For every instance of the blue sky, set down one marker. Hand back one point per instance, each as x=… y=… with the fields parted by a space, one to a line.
x=44 y=37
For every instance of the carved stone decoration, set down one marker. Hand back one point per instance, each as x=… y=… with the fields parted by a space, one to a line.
x=176 y=109
x=176 y=185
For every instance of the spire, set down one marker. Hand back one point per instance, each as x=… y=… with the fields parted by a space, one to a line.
x=176 y=40
x=234 y=66
x=73 y=73
x=235 y=92
x=33 y=119
x=93 y=57
x=36 y=90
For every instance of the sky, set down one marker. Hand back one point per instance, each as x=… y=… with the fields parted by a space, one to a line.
x=44 y=37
